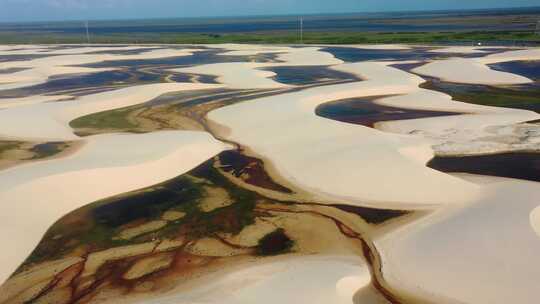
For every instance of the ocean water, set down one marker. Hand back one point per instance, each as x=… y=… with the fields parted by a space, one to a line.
x=370 y=22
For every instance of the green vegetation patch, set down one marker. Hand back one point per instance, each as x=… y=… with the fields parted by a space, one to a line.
x=113 y=119
x=279 y=37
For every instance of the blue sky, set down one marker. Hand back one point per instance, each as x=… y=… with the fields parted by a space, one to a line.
x=33 y=10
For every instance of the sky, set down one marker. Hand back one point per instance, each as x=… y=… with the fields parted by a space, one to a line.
x=46 y=10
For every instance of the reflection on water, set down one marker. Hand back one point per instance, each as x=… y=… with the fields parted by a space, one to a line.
x=304 y=75
x=349 y=54
x=197 y=58
x=363 y=111
x=82 y=84
x=529 y=69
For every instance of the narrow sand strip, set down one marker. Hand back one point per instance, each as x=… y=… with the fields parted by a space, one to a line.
x=34 y=196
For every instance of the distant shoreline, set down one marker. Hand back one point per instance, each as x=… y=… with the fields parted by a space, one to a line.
x=510 y=38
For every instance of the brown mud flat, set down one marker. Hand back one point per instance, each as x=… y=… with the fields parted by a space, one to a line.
x=251 y=226
x=363 y=111
x=520 y=165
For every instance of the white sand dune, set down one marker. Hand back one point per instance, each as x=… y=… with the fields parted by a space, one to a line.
x=492 y=261
x=366 y=165
x=50 y=121
x=486 y=252
x=41 y=69
x=316 y=279
x=342 y=146
x=464 y=70
x=35 y=195
x=475 y=70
